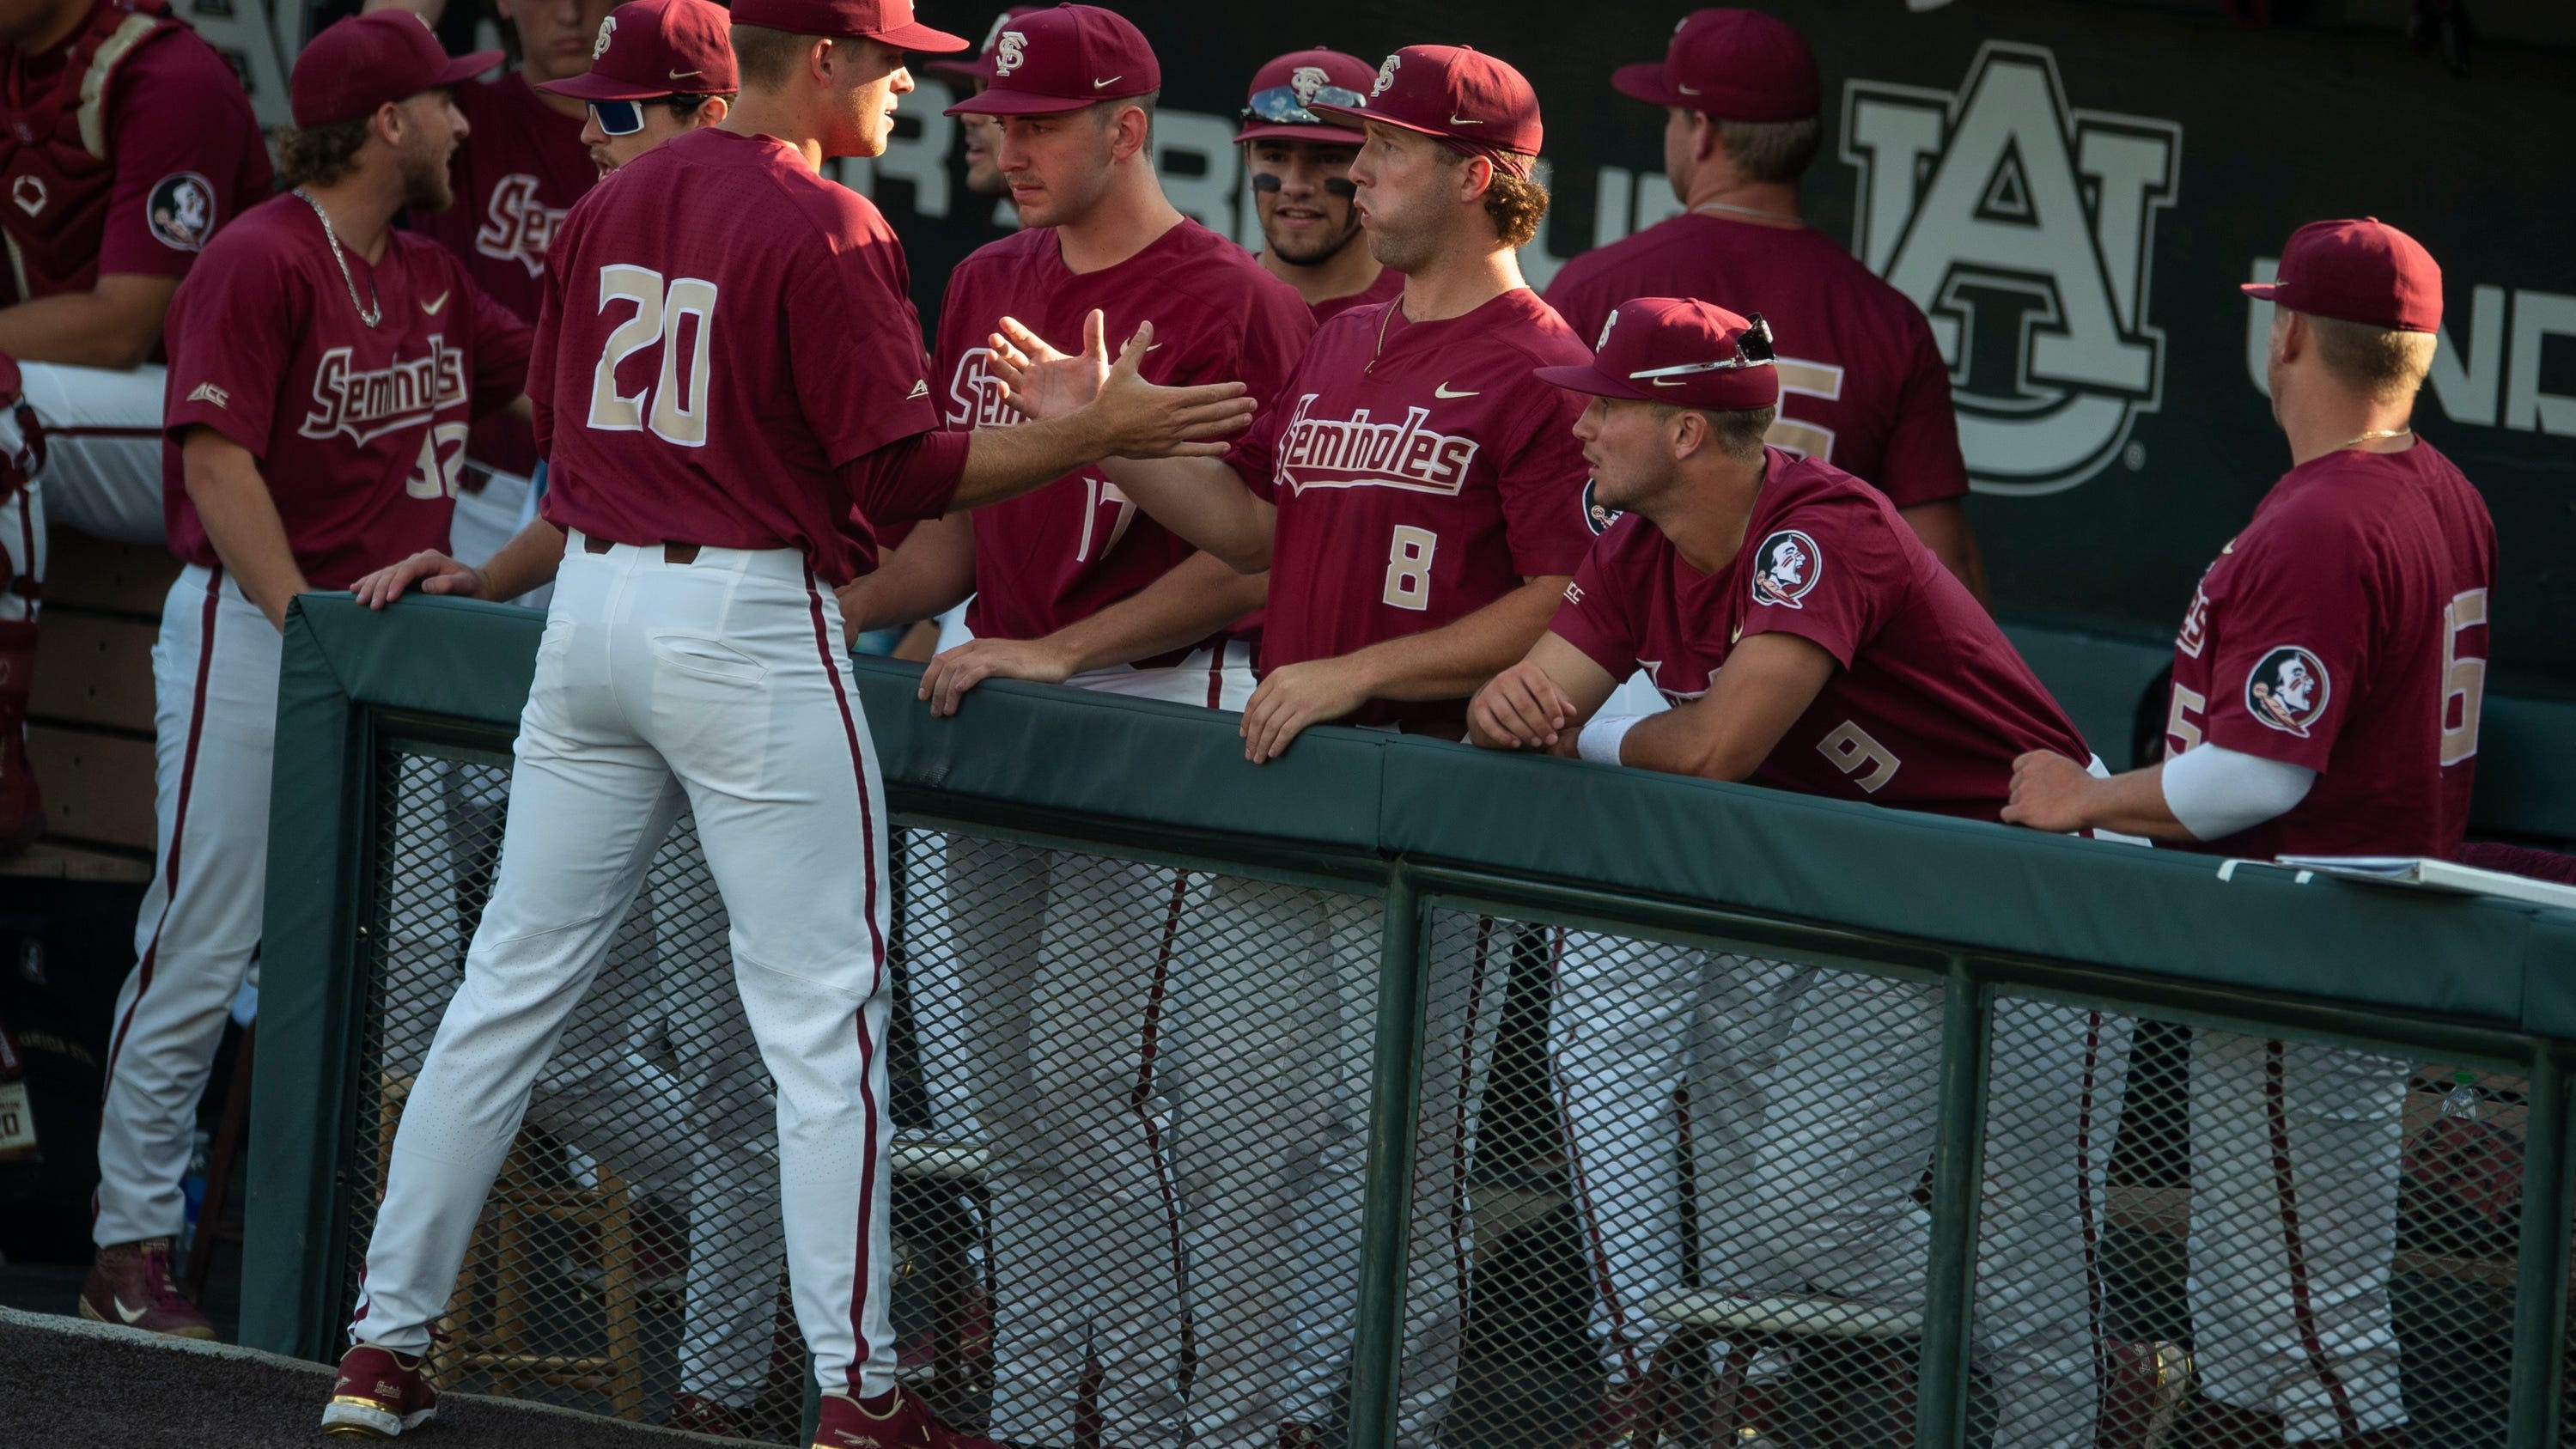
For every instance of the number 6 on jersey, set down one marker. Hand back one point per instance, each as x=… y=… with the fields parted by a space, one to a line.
x=677 y=414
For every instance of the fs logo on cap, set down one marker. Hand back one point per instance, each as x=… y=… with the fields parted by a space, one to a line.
x=1606 y=324
x=1305 y=80
x=1385 y=76
x=1785 y=569
x=607 y=28
x=2288 y=690
x=1996 y=206
x=1010 y=52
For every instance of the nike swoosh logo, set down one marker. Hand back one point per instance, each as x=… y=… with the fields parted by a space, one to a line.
x=1113 y=80
x=1457 y=120
x=431 y=307
x=1442 y=392
x=1669 y=382
x=131 y=1316
x=685 y=74
x=1685 y=90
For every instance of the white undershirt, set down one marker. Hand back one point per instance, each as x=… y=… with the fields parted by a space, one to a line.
x=2217 y=792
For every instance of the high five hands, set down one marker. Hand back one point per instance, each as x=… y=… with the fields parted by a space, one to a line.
x=1134 y=418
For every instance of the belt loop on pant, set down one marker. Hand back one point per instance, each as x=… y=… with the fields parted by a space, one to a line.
x=672 y=553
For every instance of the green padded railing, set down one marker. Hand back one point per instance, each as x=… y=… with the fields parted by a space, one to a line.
x=1978 y=909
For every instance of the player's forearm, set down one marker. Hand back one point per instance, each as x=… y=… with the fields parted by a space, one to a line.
x=1943 y=527
x=930 y=573
x=1003 y=463
x=1454 y=660
x=2132 y=804
x=1669 y=742
x=1203 y=500
x=115 y=327
x=531 y=559
x=1197 y=597
x=241 y=521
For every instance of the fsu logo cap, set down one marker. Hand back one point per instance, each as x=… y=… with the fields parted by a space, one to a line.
x=887 y=22
x=1682 y=351
x=366 y=61
x=1281 y=104
x=1064 y=59
x=2362 y=271
x=1738 y=65
x=653 y=48
x=1473 y=102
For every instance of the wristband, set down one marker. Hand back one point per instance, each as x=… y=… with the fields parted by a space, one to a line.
x=1599 y=741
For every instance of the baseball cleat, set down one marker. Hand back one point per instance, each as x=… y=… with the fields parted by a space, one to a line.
x=699 y=1414
x=130 y=1284
x=893 y=1420
x=379 y=1395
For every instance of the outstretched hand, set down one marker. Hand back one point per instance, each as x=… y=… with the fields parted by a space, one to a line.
x=1135 y=418
x=433 y=572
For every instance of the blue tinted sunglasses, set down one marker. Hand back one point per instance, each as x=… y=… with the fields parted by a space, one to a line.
x=625 y=118
x=1280 y=105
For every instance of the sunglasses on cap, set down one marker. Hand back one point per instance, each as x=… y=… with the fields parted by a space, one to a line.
x=1752 y=349
x=625 y=118
x=1281 y=105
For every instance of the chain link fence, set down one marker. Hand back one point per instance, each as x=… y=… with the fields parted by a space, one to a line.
x=1661 y=1189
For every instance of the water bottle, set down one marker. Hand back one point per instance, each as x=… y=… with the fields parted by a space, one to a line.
x=2461 y=1105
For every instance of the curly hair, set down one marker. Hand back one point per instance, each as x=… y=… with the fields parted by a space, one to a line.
x=1516 y=204
x=320 y=155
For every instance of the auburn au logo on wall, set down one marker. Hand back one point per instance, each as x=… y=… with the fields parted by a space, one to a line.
x=2025 y=228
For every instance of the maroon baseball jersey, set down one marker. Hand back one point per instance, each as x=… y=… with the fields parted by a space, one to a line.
x=1862 y=383
x=2345 y=629
x=1930 y=704
x=359 y=430
x=515 y=177
x=1421 y=472
x=1388 y=286
x=1067 y=550
x=127 y=167
x=723 y=330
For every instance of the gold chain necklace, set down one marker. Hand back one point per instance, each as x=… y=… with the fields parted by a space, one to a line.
x=369 y=315
x=2371 y=437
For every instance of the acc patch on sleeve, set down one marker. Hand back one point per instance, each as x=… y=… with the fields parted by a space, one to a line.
x=2288 y=689
x=182 y=211
x=1785 y=569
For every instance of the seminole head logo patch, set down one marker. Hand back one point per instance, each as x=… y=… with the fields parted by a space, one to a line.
x=1597 y=515
x=1785 y=569
x=2288 y=690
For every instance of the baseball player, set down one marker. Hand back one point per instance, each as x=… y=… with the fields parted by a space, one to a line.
x=1301 y=185
x=1854 y=667
x=692 y=656
x=983 y=133
x=124 y=142
x=2326 y=687
x=1867 y=389
x=324 y=372
x=1070 y=585
x=529 y=161
x=1416 y=495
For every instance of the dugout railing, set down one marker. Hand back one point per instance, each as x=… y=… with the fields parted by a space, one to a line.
x=1415 y=1092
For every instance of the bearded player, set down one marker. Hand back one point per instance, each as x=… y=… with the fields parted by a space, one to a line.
x=1300 y=167
x=1808 y=641
x=693 y=657
x=326 y=367
x=2326 y=687
x=1865 y=388
x=1417 y=497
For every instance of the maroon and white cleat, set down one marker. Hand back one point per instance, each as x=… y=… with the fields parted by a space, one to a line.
x=895 y=1420
x=698 y=1414
x=130 y=1283
x=380 y=1394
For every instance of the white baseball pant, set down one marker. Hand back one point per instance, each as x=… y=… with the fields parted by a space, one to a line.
x=2294 y=1168
x=214 y=671
x=102 y=472
x=717 y=683
x=1809 y=1098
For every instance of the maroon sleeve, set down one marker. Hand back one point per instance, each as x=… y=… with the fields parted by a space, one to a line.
x=946 y=349
x=501 y=343
x=907 y=480
x=1923 y=463
x=1274 y=337
x=1597 y=616
x=1258 y=447
x=177 y=146
x=1542 y=488
x=859 y=387
x=1831 y=572
x=232 y=335
x=2294 y=647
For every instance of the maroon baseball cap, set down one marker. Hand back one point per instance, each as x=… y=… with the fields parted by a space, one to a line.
x=1680 y=351
x=1282 y=91
x=1063 y=60
x=2362 y=271
x=653 y=48
x=1736 y=65
x=362 y=62
x=979 y=66
x=1471 y=101
x=887 y=22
